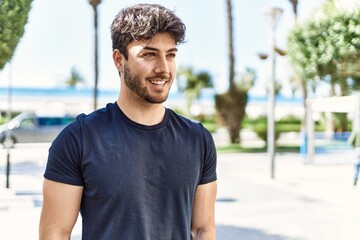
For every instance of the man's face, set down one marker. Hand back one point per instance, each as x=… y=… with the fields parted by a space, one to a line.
x=149 y=71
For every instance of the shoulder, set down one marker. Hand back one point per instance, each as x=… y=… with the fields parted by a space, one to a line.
x=186 y=124
x=97 y=115
x=88 y=122
x=97 y=119
x=183 y=121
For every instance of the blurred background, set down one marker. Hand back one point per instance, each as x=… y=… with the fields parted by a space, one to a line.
x=275 y=81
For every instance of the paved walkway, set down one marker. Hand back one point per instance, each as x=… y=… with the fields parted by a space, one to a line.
x=303 y=202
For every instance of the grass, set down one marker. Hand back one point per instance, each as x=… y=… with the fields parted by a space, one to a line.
x=210 y=126
x=237 y=148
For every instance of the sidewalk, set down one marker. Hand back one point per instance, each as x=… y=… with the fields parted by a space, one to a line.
x=307 y=202
x=303 y=202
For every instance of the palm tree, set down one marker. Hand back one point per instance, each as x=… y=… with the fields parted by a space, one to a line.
x=230 y=106
x=192 y=84
x=294 y=4
x=94 y=4
x=296 y=79
x=231 y=45
x=297 y=82
x=75 y=78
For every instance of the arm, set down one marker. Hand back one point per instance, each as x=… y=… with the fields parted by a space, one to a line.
x=60 y=210
x=203 y=215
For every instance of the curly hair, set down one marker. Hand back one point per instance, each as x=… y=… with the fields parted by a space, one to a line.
x=143 y=22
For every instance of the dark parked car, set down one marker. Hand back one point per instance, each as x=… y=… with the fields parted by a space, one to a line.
x=28 y=127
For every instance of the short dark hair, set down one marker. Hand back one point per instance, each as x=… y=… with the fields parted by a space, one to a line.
x=143 y=22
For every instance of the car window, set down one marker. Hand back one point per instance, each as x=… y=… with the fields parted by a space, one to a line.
x=54 y=121
x=27 y=123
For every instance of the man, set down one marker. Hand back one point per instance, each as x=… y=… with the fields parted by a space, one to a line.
x=354 y=140
x=135 y=169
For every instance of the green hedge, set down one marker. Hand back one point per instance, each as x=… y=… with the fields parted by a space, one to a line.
x=259 y=126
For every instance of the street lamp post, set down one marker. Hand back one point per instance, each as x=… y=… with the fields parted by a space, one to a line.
x=8 y=144
x=273 y=15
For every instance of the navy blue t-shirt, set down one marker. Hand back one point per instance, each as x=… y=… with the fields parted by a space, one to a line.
x=139 y=181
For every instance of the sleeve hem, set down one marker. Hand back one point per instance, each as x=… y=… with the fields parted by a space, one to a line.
x=208 y=180
x=62 y=179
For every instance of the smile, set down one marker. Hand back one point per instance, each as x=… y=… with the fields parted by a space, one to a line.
x=158 y=82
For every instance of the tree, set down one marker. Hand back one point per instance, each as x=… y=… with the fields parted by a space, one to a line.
x=191 y=83
x=94 y=4
x=297 y=82
x=294 y=4
x=13 y=18
x=328 y=50
x=231 y=105
x=231 y=45
x=75 y=78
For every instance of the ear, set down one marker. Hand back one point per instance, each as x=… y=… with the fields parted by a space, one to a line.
x=119 y=60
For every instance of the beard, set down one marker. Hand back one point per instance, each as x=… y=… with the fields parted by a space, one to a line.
x=136 y=85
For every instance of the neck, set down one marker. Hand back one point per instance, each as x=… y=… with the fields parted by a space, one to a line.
x=142 y=113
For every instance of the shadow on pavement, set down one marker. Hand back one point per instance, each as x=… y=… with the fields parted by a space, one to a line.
x=238 y=233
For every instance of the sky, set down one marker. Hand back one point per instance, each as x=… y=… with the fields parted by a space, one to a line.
x=59 y=35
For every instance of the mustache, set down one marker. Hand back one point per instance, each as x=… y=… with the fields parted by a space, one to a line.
x=160 y=76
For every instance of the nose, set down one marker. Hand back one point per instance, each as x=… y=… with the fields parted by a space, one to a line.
x=162 y=65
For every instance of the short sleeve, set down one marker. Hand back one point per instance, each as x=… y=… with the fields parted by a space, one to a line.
x=210 y=160
x=64 y=159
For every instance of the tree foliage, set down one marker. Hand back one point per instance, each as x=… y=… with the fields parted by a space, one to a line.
x=75 y=78
x=13 y=17
x=191 y=82
x=328 y=49
x=231 y=105
x=230 y=108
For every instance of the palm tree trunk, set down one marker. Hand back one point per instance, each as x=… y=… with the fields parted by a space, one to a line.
x=96 y=63
x=231 y=46
x=294 y=6
x=95 y=4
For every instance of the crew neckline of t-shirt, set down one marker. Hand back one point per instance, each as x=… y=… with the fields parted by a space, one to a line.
x=142 y=126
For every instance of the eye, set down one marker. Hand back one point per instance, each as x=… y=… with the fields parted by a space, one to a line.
x=171 y=55
x=149 y=54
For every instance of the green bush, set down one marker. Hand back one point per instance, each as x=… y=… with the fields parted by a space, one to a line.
x=290 y=119
x=259 y=126
x=209 y=123
x=2 y=120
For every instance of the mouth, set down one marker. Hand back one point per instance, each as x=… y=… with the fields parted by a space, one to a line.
x=158 y=82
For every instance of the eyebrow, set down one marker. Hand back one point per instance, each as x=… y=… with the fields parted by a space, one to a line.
x=155 y=49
